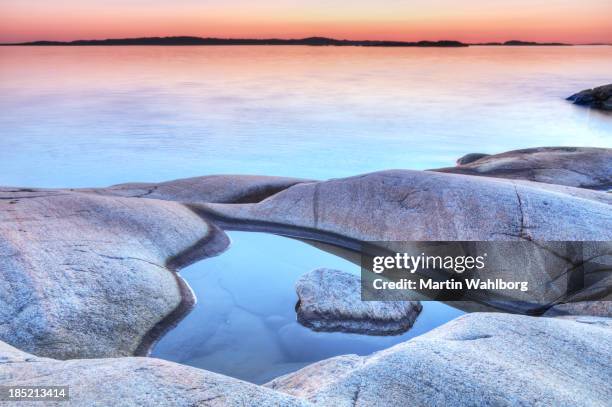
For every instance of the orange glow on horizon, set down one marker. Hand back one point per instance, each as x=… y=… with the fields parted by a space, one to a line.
x=572 y=24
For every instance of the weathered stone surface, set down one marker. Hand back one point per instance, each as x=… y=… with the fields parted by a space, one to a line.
x=133 y=382
x=330 y=300
x=598 y=98
x=83 y=275
x=476 y=360
x=571 y=166
x=415 y=205
x=74 y=263
x=470 y=158
x=588 y=308
x=211 y=188
x=429 y=206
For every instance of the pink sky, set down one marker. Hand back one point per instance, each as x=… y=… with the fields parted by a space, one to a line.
x=572 y=21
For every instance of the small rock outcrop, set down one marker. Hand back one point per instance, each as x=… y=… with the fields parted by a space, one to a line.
x=330 y=300
x=470 y=158
x=597 y=98
x=210 y=188
x=134 y=382
x=579 y=167
x=478 y=359
x=84 y=276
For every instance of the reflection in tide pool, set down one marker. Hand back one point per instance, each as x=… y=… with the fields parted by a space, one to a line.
x=244 y=324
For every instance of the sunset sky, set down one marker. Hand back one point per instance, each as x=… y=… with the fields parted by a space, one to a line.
x=572 y=21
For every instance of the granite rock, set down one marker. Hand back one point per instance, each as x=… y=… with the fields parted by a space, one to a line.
x=133 y=381
x=85 y=276
x=598 y=98
x=470 y=158
x=479 y=359
x=404 y=205
x=418 y=206
x=330 y=300
x=580 y=167
x=211 y=188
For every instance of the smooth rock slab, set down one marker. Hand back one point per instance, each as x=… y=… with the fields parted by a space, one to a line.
x=404 y=205
x=330 y=300
x=478 y=359
x=133 y=382
x=598 y=98
x=580 y=167
x=85 y=276
x=210 y=188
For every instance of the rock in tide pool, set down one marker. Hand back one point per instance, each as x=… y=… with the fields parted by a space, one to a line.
x=85 y=276
x=133 y=381
x=479 y=359
x=580 y=167
x=211 y=188
x=330 y=300
x=598 y=98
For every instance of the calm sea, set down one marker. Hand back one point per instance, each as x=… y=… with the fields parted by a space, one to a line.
x=93 y=116
x=96 y=116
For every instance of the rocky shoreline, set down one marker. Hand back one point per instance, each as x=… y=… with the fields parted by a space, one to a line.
x=92 y=273
x=477 y=359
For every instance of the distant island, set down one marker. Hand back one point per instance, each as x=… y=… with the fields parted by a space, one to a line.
x=312 y=41
x=517 y=43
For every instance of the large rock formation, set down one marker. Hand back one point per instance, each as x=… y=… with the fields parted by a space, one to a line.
x=90 y=273
x=83 y=275
x=416 y=205
x=133 y=382
x=330 y=300
x=598 y=98
x=572 y=166
x=429 y=206
x=478 y=359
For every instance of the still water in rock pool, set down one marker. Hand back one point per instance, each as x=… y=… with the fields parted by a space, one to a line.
x=244 y=323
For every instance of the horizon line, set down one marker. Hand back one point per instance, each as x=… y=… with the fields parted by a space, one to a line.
x=85 y=42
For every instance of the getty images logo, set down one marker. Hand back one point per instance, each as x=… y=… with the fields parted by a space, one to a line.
x=410 y=263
